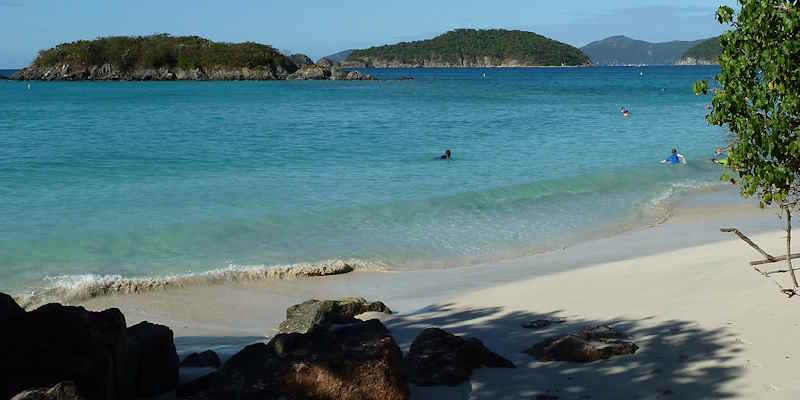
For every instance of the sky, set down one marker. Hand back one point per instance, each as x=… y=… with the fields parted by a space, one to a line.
x=322 y=27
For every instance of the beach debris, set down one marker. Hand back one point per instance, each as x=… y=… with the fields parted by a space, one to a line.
x=57 y=343
x=770 y=259
x=543 y=323
x=437 y=357
x=590 y=344
x=152 y=360
x=353 y=361
x=61 y=391
x=306 y=316
x=208 y=358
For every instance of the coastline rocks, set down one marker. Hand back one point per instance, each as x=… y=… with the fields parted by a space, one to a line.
x=358 y=76
x=305 y=317
x=437 y=357
x=61 y=391
x=590 y=344
x=327 y=63
x=108 y=72
x=207 y=358
x=9 y=309
x=301 y=60
x=56 y=343
x=348 y=362
x=355 y=64
x=311 y=72
x=152 y=359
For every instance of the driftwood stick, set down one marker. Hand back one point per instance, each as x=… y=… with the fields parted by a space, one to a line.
x=770 y=258
x=774 y=260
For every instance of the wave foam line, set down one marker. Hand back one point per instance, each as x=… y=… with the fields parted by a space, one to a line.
x=75 y=288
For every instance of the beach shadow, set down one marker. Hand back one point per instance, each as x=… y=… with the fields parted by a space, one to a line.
x=676 y=359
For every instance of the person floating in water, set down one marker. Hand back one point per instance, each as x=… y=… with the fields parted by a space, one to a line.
x=625 y=112
x=719 y=157
x=446 y=155
x=674 y=158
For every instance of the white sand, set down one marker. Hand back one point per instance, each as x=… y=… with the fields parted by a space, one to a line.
x=708 y=326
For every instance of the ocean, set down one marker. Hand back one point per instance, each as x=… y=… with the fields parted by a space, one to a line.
x=106 y=181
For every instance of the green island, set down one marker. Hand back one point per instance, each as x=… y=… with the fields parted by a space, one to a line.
x=157 y=57
x=704 y=53
x=472 y=48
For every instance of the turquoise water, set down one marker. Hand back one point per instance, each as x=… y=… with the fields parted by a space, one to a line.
x=141 y=179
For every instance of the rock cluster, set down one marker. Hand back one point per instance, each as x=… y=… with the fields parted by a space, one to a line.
x=437 y=357
x=207 y=358
x=61 y=391
x=305 y=317
x=95 y=350
x=590 y=344
x=108 y=72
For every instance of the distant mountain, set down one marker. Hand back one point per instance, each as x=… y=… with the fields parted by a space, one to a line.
x=705 y=53
x=340 y=56
x=472 y=48
x=622 y=50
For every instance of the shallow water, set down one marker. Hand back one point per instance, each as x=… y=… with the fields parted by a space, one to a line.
x=167 y=178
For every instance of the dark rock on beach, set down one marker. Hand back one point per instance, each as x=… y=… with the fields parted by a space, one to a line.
x=437 y=357
x=306 y=316
x=359 y=360
x=152 y=359
x=207 y=358
x=9 y=309
x=61 y=391
x=590 y=344
x=56 y=343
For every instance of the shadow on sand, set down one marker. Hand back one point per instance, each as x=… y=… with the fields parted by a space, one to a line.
x=676 y=359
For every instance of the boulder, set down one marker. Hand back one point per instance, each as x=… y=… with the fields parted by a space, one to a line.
x=358 y=76
x=61 y=391
x=590 y=344
x=327 y=62
x=207 y=358
x=301 y=60
x=152 y=360
x=57 y=343
x=347 y=362
x=304 y=317
x=311 y=72
x=437 y=357
x=9 y=309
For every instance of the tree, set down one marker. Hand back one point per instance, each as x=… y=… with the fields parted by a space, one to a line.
x=757 y=97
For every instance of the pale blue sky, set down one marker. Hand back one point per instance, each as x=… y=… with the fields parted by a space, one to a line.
x=321 y=27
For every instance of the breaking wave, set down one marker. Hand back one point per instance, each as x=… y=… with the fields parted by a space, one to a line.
x=76 y=288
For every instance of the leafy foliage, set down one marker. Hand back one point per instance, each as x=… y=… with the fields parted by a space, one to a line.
x=465 y=46
x=708 y=50
x=757 y=96
x=622 y=50
x=156 y=51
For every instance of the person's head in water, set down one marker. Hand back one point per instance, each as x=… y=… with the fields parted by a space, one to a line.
x=674 y=151
x=446 y=155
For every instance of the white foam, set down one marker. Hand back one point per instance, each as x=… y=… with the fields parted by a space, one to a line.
x=75 y=288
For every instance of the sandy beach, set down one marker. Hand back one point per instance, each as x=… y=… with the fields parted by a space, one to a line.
x=708 y=325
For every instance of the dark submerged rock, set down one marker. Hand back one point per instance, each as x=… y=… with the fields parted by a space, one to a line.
x=207 y=358
x=306 y=316
x=56 y=343
x=437 y=357
x=152 y=359
x=348 y=362
x=61 y=391
x=590 y=344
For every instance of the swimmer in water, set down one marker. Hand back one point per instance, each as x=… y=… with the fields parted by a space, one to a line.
x=446 y=155
x=625 y=112
x=719 y=157
x=674 y=158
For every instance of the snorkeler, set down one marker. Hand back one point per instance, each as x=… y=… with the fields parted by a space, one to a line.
x=674 y=158
x=625 y=112
x=446 y=155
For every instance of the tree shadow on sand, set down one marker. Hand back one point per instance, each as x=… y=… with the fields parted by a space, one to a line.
x=676 y=359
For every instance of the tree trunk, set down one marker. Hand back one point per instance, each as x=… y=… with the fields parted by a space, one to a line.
x=789 y=245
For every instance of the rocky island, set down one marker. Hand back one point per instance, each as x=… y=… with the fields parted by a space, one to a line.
x=165 y=57
x=470 y=48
